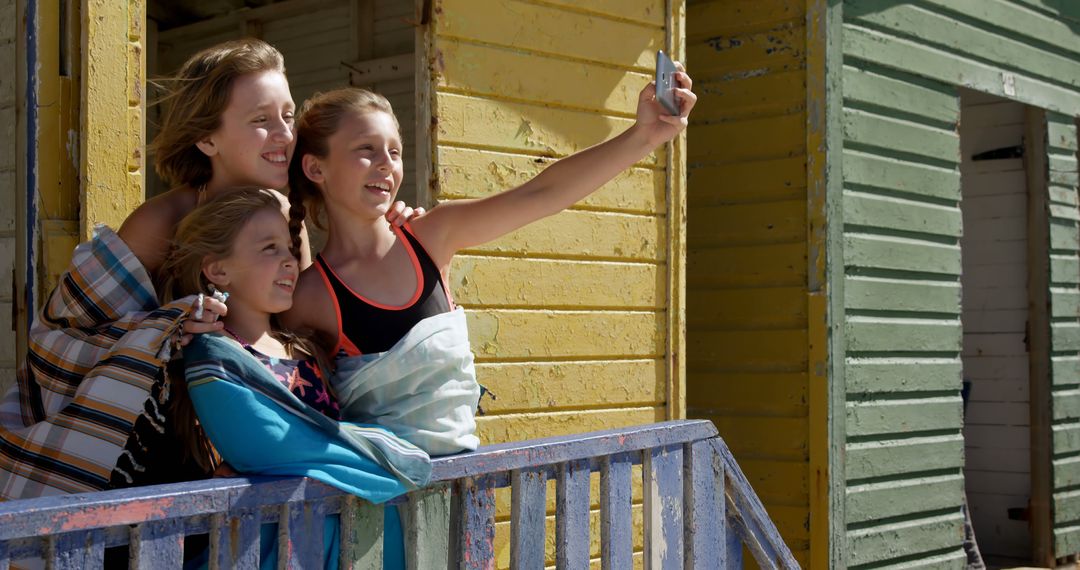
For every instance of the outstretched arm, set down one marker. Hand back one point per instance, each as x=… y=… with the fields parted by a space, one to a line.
x=461 y=224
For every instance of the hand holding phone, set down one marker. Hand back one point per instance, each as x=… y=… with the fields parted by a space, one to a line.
x=665 y=83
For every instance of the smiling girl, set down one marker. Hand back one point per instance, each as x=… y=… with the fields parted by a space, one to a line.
x=378 y=293
x=259 y=392
x=229 y=124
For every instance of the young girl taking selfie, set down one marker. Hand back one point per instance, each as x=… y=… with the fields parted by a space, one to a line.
x=373 y=283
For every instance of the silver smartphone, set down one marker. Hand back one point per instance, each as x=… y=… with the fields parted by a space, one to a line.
x=665 y=83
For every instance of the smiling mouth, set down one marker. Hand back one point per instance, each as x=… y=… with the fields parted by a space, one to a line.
x=378 y=186
x=285 y=283
x=276 y=157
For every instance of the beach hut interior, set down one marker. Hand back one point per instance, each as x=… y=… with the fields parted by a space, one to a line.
x=326 y=44
x=996 y=252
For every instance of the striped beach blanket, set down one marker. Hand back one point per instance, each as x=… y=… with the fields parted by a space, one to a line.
x=259 y=426
x=92 y=380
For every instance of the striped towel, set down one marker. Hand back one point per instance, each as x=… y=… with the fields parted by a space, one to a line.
x=259 y=426
x=93 y=372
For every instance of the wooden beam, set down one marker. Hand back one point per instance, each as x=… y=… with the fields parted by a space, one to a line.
x=113 y=104
x=270 y=12
x=372 y=71
x=362 y=31
x=676 y=233
x=826 y=387
x=1039 y=381
x=427 y=185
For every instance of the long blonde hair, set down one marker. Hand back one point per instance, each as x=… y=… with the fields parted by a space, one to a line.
x=199 y=94
x=205 y=235
x=320 y=117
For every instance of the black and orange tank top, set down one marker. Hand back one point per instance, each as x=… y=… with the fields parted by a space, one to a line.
x=366 y=326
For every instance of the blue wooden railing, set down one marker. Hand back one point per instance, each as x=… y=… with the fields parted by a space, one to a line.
x=699 y=510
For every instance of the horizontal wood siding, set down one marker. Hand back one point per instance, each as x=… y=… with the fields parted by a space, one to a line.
x=1064 y=324
x=902 y=226
x=900 y=144
x=746 y=269
x=316 y=38
x=568 y=317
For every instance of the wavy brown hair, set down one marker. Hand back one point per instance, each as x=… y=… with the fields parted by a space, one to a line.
x=195 y=99
x=319 y=119
x=206 y=235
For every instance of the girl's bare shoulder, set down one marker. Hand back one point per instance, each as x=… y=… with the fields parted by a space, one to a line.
x=313 y=309
x=149 y=230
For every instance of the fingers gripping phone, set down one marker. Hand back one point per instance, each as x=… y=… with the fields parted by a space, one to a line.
x=665 y=83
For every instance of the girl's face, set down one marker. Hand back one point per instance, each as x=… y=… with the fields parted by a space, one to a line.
x=254 y=143
x=362 y=171
x=260 y=272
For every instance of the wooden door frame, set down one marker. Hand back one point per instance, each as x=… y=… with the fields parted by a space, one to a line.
x=1038 y=333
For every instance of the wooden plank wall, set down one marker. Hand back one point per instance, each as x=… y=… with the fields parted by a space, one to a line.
x=902 y=256
x=568 y=316
x=315 y=37
x=747 y=338
x=1062 y=164
x=997 y=430
x=9 y=189
x=901 y=153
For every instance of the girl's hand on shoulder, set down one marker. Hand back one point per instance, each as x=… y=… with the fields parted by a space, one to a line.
x=400 y=214
x=654 y=121
x=210 y=321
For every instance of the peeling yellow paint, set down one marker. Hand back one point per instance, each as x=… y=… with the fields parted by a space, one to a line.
x=577 y=234
x=563 y=284
x=58 y=148
x=112 y=118
x=748 y=302
x=517 y=427
x=576 y=320
x=497 y=125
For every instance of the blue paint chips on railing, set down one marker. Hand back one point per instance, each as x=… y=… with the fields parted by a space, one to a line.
x=663 y=469
x=572 y=505
x=528 y=514
x=616 y=525
x=699 y=511
x=703 y=493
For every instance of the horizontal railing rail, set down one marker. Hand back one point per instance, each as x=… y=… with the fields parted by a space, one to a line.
x=698 y=511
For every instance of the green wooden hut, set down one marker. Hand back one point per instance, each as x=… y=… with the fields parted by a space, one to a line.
x=882 y=203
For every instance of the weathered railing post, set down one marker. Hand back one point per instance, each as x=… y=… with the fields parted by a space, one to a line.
x=616 y=515
x=158 y=543
x=528 y=514
x=475 y=513
x=703 y=481
x=361 y=535
x=234 y=536
x=572 y=504
x=662 y=470
x=426 y=524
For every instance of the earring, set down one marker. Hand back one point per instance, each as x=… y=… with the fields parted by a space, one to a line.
x=222 y=296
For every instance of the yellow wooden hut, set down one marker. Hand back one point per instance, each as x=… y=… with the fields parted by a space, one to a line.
x=576 y=321
x=791 y=270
